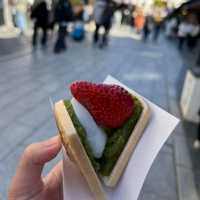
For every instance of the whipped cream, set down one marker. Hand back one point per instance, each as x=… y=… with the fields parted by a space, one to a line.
x=95 y=135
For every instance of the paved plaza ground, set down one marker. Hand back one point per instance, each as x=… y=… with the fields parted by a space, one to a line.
x=27 y=80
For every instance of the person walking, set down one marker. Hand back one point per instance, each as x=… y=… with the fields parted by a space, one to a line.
x=147 y=28
x=103 y=13
x=139 y=20
x=39 y=14
x=20 y=15
x=157 y=26
x=193 y=36
x=182 y=33
x=63 y=14
x=184 y=29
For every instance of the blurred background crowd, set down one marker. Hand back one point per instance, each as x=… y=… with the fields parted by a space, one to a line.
x=146 y=18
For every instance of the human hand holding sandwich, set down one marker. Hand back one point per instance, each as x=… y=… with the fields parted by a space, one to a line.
x=28 y=182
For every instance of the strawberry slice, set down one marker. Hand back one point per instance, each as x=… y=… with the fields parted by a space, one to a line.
x=110 y=105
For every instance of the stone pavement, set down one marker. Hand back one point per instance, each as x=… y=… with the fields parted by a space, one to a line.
x=13 y=47
x=28 y=80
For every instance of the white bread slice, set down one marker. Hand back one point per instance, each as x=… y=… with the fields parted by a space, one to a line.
x=76 y=151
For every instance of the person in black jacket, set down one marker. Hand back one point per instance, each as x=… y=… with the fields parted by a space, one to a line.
x=39 y=14
x=103 y=13
x=63 y=14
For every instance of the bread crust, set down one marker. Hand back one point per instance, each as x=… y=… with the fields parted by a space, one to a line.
x=76 y=151
x=134 y=138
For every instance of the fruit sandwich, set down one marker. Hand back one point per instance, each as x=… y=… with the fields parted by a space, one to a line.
x=100 y=128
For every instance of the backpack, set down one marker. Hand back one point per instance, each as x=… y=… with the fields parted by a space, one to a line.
x=78 y=32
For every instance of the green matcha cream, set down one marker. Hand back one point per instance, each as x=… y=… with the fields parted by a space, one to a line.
x=117 y=139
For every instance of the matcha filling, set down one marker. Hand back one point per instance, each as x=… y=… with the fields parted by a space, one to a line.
x=117 y=139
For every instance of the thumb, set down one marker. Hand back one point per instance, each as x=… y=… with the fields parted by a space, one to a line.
x=28 y=174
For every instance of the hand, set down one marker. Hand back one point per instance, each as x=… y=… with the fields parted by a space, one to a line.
x=27 y=183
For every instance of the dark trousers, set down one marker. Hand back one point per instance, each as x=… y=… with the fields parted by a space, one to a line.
x=192 y=42
x=198 y=134
x=60 y=44
x=105 y=35
x=146 y=33
x=35 y=35
x=198 y=59
x=156 y=32
x=181 y=42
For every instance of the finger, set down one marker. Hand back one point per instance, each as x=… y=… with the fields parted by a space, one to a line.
x=32 y=161
x=53 y=182
x=35 y=156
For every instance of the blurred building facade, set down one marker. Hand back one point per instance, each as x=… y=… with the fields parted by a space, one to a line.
x=1 y=12
x=5 y=14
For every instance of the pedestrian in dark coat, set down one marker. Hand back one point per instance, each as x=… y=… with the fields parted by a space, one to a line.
x=63 y=14
x=147 y=28
x=103 y=13
x=39 y=14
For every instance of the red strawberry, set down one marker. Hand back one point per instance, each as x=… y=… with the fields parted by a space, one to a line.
x=110 y=105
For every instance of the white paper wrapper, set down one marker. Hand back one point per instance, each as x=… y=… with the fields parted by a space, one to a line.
x=158 y=130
